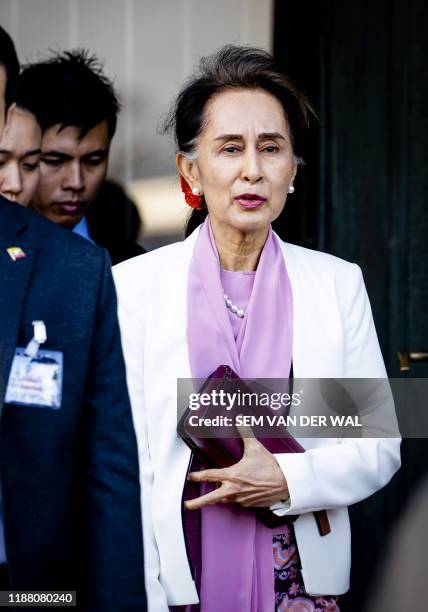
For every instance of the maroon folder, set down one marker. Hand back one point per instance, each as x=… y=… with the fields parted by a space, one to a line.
x=221 y=446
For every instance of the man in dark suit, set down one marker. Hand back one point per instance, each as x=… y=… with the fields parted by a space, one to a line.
x=70 y=493
x=77 y=107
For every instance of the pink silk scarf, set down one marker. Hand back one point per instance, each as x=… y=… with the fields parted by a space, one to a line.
x=236 y=549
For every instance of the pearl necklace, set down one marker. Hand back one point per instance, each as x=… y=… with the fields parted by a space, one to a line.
x=239 y=312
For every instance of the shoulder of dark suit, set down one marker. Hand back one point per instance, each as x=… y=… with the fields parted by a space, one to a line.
x=49 y=239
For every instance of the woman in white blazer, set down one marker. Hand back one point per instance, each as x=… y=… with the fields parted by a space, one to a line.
x=233 y=293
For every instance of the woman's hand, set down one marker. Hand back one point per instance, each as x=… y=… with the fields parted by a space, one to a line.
x=255 y=481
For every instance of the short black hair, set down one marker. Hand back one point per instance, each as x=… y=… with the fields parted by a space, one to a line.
x=23 y=95
x=9 y=59
x=71 y=89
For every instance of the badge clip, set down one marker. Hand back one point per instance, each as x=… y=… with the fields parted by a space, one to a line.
x=39 y=337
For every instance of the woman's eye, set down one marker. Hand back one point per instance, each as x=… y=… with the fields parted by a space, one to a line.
x=271 y=149
x=231 y=149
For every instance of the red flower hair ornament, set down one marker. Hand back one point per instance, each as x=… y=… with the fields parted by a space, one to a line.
x=192 y=199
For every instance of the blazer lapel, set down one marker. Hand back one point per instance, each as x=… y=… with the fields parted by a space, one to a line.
x=14 y=280
x=315 y=355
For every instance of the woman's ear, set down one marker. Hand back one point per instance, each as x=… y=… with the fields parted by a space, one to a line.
x=188 y=170
x=296 y=166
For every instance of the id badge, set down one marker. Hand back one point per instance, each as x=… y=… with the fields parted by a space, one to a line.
x=36 y=381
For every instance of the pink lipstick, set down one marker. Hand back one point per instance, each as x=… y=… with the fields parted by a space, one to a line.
x=250 y=201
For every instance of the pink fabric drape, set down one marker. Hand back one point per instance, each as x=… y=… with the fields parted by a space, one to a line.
x=237 y=564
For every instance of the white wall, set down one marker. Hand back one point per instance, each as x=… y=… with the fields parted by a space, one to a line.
x=149 y=47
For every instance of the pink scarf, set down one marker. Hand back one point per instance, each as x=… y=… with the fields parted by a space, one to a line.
x=237 y=558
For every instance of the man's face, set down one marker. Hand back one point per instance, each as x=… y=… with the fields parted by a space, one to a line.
x=2 y=97
x=19 y=156
x=72 y=170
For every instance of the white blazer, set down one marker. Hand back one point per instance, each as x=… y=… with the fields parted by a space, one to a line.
x=333 y=337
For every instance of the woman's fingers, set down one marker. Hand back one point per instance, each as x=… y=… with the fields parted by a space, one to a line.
x=213 y=497
x=245 y=431
x=256 y=480
x=248 y=438
x=224 y=495
x=208 y=475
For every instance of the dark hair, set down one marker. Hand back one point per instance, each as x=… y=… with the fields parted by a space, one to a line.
x=24 y=96
x=234 y=67
x=8 y=59
x=70 y=89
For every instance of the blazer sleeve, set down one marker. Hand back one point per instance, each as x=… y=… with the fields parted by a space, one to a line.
x=112 y=535
x=341 y=473
x=132 y=333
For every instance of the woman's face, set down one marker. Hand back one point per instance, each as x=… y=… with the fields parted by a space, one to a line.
x=19 y=156
x=245 y=162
